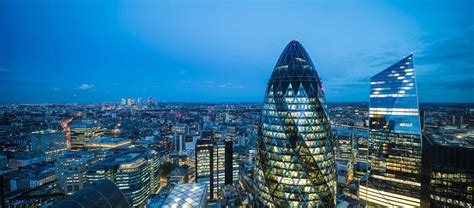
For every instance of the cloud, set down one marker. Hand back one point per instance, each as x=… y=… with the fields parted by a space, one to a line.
x=447 y=61
x=229 y=85
x=56 y=88
x=363 y=81
x=443 y=60
x=458 y=48
x=345 y=84
x=183 y=72
x=85 y=87
x=379 y=58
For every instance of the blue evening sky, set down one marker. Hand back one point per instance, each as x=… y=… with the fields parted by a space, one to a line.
x=89 y=51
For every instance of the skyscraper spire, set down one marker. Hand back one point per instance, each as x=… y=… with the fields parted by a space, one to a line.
x=294 y=157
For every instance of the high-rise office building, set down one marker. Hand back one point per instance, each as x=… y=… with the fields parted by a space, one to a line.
x=231 y=133
x=203 y=158
x=51 y=143
x=179 y=143
x=345 y=146
x=231 y=163
x=132 y=170
x=447 y=172
x=140 y=102
x=71 y=168
x=394 y=138
x=81 y=134
x=295 y=151
x=216 y=164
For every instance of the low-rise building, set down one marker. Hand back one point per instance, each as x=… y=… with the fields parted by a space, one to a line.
x=71 y=169
x=32 y=177
x=23 y=159
x=186 y=195
x=51 y=143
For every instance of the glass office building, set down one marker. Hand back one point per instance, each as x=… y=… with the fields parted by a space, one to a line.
x=132 y=170
x=82 y=133
x=216 y=164
x=394 y=138
x=295 y=151
x=447 y=171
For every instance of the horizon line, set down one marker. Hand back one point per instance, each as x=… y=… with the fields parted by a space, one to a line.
x=208 y=102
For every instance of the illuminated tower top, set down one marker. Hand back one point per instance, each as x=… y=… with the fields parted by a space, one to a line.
x=294 y=65
x=393 y=96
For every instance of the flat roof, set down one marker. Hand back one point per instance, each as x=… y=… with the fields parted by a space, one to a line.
x=82 y=126
x=108 y=140
x=457 y=138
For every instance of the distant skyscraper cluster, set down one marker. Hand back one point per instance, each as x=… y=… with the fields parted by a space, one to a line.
x=138 y=103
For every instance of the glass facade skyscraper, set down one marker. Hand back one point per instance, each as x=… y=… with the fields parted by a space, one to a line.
x=216 y=163
x=295 y=151
x=394 y=138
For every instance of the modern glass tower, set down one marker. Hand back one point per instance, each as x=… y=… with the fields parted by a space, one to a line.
x=394 y=138
x=294 y=155
x=216 y=164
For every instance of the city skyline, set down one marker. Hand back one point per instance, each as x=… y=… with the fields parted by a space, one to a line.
x=276 y=103
x=55 y=52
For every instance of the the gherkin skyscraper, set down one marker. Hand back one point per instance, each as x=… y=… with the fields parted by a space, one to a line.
x=295 y=156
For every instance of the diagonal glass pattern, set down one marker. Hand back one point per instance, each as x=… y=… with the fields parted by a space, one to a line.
x=294 y=156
